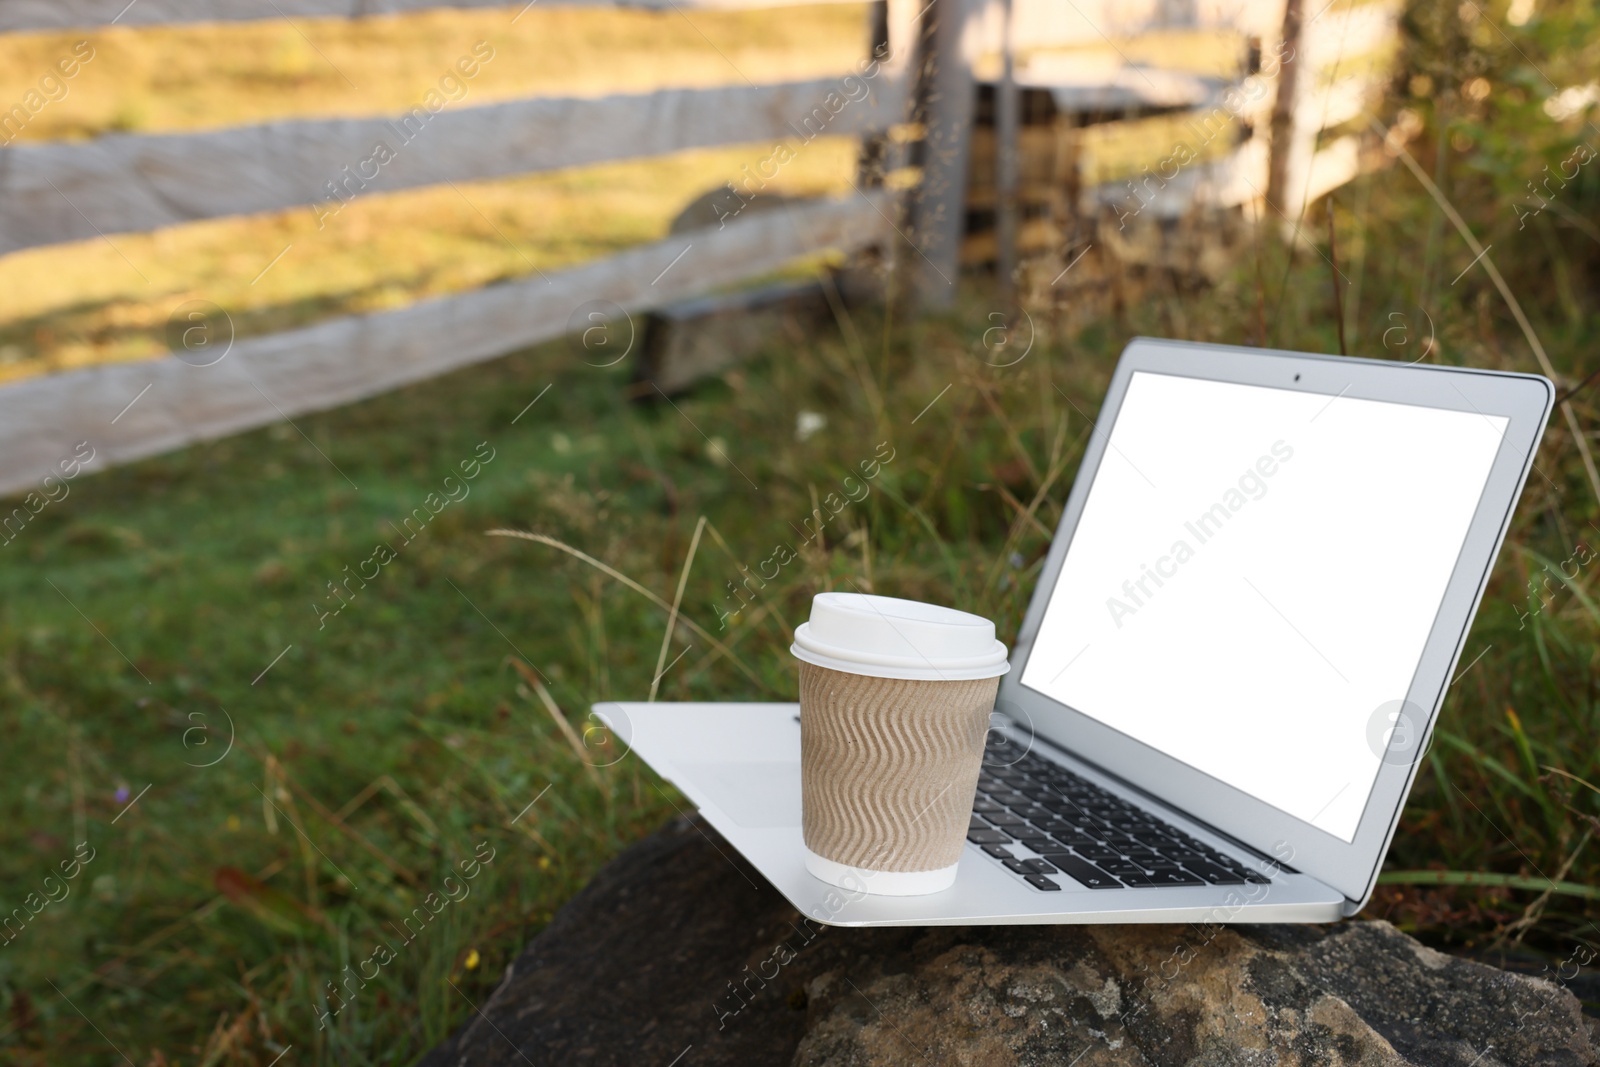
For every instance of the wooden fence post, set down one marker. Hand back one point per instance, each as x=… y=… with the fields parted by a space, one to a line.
x=1008 y=125
x=944 y=106
x=1285 y=169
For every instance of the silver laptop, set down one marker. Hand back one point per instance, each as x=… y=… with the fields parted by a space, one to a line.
x=1260 y=589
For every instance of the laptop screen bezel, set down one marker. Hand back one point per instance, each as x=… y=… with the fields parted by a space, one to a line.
x=1350 y=867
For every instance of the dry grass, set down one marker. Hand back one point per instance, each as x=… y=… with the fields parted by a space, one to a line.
x=212 y=75
x=107 y=300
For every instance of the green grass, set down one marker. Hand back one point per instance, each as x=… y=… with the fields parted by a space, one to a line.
x=218 y=907
x=137 y=617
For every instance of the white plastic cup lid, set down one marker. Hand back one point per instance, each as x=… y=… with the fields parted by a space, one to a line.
x=886 y=637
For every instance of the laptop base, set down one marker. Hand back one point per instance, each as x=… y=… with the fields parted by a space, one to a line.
x=740 y=765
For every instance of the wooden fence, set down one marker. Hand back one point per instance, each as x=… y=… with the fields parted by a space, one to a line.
x=57 y=192
x=51 y=193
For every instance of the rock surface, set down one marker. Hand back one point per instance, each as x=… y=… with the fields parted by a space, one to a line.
x=678 y=953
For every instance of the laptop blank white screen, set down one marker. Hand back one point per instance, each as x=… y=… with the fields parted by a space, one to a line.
x=1253 y=577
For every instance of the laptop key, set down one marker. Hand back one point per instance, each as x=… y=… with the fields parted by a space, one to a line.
x=1005 y=818
x=1212 y=873
x=1174 y=876
x=1018 y=866
x=1037 y=842
x=999 y=852
x=1039 y=881
x=1217 y=859
x=986 y=807
x=1040 y=866
x=1097 y=852
x=1082 y=871
x=1121 y=869
x=975 y=823
x=1065 y=813
x=988 y=837
x=1068 y=835
x=1073 y=841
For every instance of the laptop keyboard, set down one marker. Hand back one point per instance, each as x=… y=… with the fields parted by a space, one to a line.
x=1067 y=826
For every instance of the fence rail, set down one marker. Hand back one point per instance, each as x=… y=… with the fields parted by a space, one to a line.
x=51 y=193
x=263 y=379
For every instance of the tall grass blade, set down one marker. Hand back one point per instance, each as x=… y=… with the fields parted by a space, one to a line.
x=677 y=600
x=1489 y=879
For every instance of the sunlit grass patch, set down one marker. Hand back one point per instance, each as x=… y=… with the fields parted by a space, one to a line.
x=108 y=300
x=210 y=75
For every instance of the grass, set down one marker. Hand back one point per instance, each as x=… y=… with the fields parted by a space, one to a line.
x=210 y=75
x=162 y=608
x=392 y=738
x=104 y=301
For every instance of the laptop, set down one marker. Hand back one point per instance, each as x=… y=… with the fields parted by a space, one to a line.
x=1260 y=589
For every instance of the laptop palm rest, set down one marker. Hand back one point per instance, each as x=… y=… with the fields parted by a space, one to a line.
x=740 y=764
x=756 y=796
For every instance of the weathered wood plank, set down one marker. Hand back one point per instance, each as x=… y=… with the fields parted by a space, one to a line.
x=1333 y=166
x=1334 y=105
x=51 y=193
x=1227 y=181
x=1340 y=38
x=944 y=105
x=262 y=380
x=1041 y=24
x=73 y=14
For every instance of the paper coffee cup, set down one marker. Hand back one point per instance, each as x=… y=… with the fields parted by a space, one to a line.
x=895 y=697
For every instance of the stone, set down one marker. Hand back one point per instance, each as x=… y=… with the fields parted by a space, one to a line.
x=679 y=953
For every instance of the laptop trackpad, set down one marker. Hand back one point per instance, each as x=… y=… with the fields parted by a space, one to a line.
x=756 y=796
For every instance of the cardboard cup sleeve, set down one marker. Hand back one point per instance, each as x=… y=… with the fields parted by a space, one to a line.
x=889 y=766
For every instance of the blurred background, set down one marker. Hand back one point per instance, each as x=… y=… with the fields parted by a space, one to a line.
x=383 y=384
